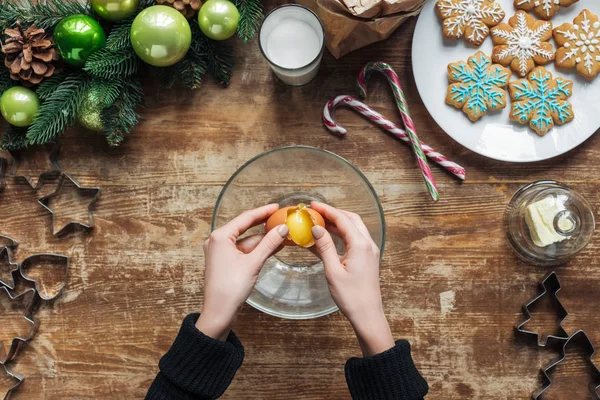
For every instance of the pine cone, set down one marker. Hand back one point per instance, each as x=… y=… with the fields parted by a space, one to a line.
x=189 y=8
x=30 y=54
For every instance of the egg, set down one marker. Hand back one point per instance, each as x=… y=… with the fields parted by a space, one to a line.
x=300 y=219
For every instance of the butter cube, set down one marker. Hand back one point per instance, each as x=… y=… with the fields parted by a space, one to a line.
x=539 y=217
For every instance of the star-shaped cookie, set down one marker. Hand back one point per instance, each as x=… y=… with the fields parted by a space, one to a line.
x=579 y=45
x=522 y=43
x=470 y=19
x=545 y=9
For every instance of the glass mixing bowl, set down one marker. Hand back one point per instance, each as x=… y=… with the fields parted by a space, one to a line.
x=292 y=283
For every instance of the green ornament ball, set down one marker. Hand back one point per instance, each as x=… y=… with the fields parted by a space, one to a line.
x=218 y=19
x=161 y=36
x=90 y=112
x=77 y=37
x=19 y=106
x=115 y=10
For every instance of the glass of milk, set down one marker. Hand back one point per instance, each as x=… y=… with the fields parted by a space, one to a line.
x=292 y=39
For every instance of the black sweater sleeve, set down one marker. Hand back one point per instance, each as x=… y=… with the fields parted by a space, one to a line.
x=391 y=375
x=201 y=368
x=196 y=366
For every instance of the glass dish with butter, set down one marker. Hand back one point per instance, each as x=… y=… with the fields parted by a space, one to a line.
x=547 y=223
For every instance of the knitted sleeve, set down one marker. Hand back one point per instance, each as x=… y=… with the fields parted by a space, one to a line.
x=391 y=375
x=196 y=366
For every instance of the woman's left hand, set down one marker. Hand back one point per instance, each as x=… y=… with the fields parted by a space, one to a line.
x=232 y=268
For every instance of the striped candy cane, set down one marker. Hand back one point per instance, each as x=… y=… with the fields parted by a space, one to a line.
x=374 y=116
x=394 y=82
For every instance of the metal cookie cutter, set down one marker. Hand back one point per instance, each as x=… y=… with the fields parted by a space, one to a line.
x=9 y=266
x=550 y=286
x=18 y=342
x=7 y=241
x=53 y=150
x=582 y=340
x=45 y=201
x=60 y=261
x=19 y=379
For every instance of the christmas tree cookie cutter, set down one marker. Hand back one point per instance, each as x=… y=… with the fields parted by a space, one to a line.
x=53 y=150
x=550 y=286
x=582 y=340
x=18 y=342
x=45 y=202
x=19 y=379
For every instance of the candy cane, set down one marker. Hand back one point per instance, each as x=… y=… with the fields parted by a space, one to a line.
x=394 y=82
x=372 y=115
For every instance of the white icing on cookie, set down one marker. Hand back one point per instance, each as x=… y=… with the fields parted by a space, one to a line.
x=459 y=14
x=584 y=42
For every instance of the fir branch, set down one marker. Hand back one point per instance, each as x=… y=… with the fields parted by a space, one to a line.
x=5 y=81
x=119 y=37
x=217 y=56
x=13 y=139
x=49 y=85
x=45 y=15
x=121 y=117
x=191 y=72
x=251 y=13
x=167 y=76
x=59 y=110
x=108 y=92
x=109 y=65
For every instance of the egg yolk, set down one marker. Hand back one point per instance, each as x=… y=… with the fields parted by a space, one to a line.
x=300 y=223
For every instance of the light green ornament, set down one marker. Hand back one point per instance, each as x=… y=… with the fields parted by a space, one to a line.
x=161 y=36
x=90 y=112
x=115 y=10
x=19 y=105
x=219 y=19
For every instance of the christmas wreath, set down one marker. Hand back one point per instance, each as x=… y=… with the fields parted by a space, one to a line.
x=67 y=62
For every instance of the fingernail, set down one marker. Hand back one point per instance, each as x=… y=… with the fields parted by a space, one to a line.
x=283 y=230
x=317 y=231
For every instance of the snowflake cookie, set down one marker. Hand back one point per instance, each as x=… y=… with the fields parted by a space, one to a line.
x=522 y=43
x=545 y=9
x=477 y=85
x=541 y=101
x=579 y=45
x=469 y=18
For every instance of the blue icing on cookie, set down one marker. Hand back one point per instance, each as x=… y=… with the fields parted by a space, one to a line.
x=538 y=99
x=480 y=84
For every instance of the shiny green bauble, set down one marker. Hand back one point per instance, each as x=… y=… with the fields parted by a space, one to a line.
x=218 y=19
x=90 y=111
x=115 y=10
x=161 y=36
x=77 y=37
x=19 y=106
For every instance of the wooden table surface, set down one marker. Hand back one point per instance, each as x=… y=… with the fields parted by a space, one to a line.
x=450 y=283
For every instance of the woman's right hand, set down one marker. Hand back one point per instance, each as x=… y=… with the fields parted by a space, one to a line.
x=354 y=277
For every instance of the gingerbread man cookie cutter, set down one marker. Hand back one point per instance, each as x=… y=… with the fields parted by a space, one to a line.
x=550 y=286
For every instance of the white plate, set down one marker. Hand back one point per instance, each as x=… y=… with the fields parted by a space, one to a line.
x=494 y=135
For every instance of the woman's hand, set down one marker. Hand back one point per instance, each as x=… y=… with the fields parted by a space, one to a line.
x=232 y=268
x=354 y=277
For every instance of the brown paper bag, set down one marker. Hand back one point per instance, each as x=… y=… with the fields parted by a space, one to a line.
x=352 y=24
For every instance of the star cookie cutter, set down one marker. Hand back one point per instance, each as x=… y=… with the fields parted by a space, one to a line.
x=45 y=202
x=19 y=379
x=59 y=260
x=53 y=150
x=3 y=164
x=18 y=342
x=582 y=340
x=5 y=261
x=550 y=286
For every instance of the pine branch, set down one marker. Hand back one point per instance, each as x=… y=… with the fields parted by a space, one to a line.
x=59 y=110
x=109 y=65
x=217 y=56
x=5 y=81
x=45 y=14
x=167 y=76
x=119 y=37
x=49 y=85
x=13 y=139
x=121 y=117
x=107 y=91
x=191 y=72
x=251 y=13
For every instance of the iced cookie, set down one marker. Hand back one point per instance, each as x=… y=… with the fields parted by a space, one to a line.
x=545 y=9
x=470 y=19
x=522 y=43
x=579 y=45
x=541 y=101
x=477 y=86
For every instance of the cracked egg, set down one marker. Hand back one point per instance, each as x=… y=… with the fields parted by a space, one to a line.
x=300 y=219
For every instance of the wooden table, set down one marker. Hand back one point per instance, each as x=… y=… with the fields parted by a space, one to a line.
x=450 y=283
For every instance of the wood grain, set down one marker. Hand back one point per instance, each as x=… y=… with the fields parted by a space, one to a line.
x=450 y=282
